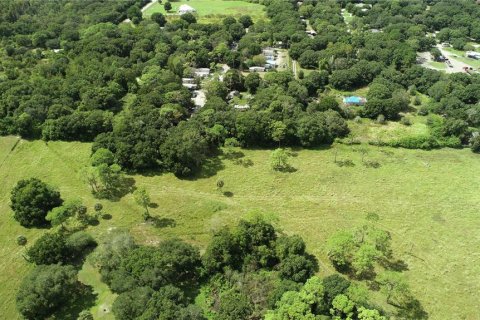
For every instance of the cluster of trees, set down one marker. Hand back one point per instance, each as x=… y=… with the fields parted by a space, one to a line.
x=333 y=296
x=249 y=272
x=53 y=283
x=36 y=204
x=366 y=254
x=122 y=86
x=284 y=111
x=242 y=271
x=358 y=251
x=378 y=48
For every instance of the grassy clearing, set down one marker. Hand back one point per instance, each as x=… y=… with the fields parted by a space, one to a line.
x=368 y=130
x=437 y=65
x=213 y=10
x=428 y=200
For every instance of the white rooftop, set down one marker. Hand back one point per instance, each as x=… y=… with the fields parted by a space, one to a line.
x=184 y=8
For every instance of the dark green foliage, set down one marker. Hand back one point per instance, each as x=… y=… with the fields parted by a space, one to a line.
x=45 y=290
x=334 y=285
x=167 y=6
x=165 y=303
x=246 y=21
x=159 y=18
x=50 y=248
x=188 y=17
x=185 y=149
x=31 y=199
x=131 y=304
x=297 y=268
x=172 y=262
x=234 y=306
x=221 y=252
x=80 y=243
x=475 y=143
x=320 y=128
x=134 y=14
x=233 y=80
x=81 y=126
x=168 y=303
x=287 y=246
x=21 y=240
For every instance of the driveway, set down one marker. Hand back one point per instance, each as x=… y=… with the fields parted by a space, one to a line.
x=145 y=7
x=456 y=66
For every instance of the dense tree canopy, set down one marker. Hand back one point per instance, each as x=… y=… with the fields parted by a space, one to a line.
x=31 y=199
x=45 y=289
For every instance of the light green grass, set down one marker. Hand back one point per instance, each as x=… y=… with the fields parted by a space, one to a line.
x=104 y=297
x=213 y=10
x=428 y=200
x=370 y=131
x=347 y=16
x=437 y=65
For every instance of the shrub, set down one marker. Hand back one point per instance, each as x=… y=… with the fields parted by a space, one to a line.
x=371 y=164
x=231 y=143
x=406 y=121
x=345 y=163
x=381 y=119
x=279 y=160
x=417 y=101
x=85 y=315
x=98 y=207
x=475 y=143
x=79 y=242
x=48 y=249
x=426 y=142
x=21 y=240
x=422 y=111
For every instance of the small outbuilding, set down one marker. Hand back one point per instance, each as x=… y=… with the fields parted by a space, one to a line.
x=256 y=69
x=354 y=101
x=189 y=83
x=185 y=8
x=241 y=107
x=201 y=72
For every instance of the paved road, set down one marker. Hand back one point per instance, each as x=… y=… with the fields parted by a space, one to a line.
x=145 y=7
x=294 y=68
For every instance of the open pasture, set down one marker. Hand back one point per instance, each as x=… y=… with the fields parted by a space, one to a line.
x=212 y=10
x=428 y=200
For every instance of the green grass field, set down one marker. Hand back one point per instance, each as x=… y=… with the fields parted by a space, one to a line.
x=370 y=131
x=437 y=65
x=428 y=200
x=213 y=10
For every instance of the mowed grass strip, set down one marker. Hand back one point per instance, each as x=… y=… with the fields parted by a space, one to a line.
x=212 y=10
x=428 y=200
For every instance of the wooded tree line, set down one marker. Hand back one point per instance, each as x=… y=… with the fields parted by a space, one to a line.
x=121 y=86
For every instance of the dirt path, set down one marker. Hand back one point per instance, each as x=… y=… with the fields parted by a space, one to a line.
x=456 y=66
